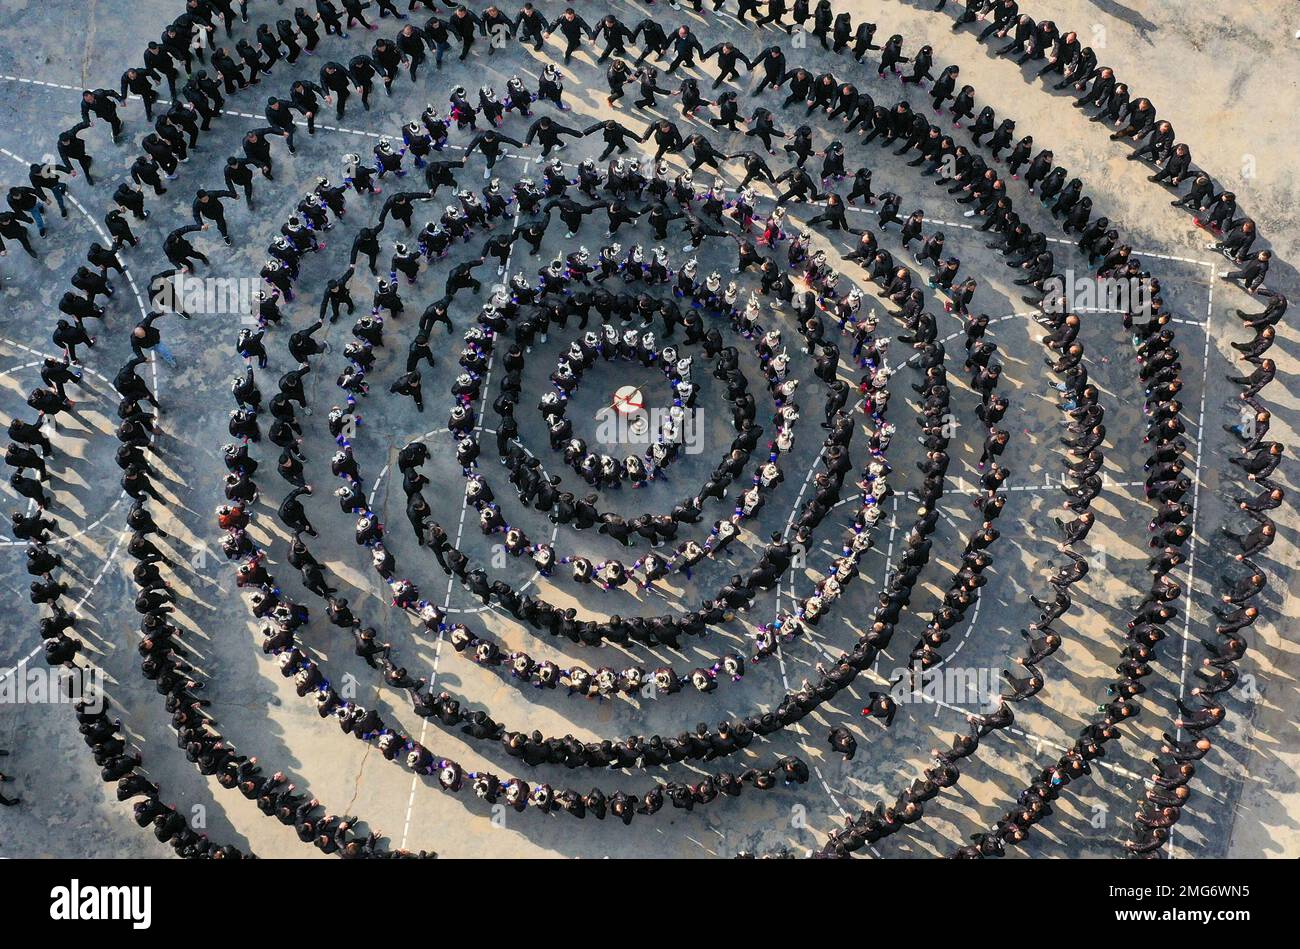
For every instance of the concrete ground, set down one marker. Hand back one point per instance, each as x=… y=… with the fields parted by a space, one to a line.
x=1235 y=116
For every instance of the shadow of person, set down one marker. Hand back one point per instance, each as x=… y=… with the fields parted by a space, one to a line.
x=1141 y=24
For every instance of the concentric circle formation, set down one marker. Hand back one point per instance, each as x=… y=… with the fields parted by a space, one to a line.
x=531 y=389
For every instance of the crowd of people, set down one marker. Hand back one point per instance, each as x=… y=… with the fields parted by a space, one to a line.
x=370 y=532
x=976 y=182
x=6 y=801
x=1069 y=64
x=664 y=445
x=1134 y=118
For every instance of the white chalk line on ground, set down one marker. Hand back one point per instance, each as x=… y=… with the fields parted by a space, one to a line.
x=1192 y=541
x=504 y=278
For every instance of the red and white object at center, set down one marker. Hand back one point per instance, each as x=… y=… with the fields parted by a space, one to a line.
x=628 y=401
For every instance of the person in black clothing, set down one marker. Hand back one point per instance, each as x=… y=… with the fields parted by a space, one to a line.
x=207 y=205
x=6 y=801
x=279 y=116
x=180 y=251
x=237 y=175
x=102 y=103
x=490 y=143
x=465 y=25
x=728 y=56
x=685 y=47
x=258 y=149
x=302 y=95
x=294 y=515
x=140 y=82
x=336 y=80
x=71 y=148
x=531 y=26
x=573 y=27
